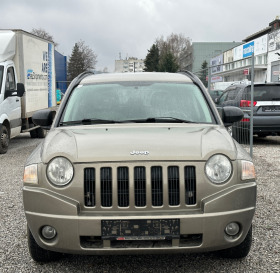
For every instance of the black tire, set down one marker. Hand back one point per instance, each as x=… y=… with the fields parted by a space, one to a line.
x=240 y=251
x=4 y=139
x=39 y=254
x=33 y=133
x=41 y=133
x=263 y=135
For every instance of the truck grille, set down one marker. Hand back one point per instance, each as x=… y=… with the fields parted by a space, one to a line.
x=139 y=186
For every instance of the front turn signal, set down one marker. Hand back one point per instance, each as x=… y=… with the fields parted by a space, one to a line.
x=248 y=170
x=30 y=174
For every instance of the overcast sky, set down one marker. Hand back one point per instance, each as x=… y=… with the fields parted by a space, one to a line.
x=130 y=27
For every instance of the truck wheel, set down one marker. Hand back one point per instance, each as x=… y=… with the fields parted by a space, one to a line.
x=41 y=133
x=39 y=254
x=4 y=139
x=33 y=133
x=240 y=251
x=263 y=135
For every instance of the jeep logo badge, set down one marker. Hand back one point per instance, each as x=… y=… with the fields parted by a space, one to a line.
x=139 y=152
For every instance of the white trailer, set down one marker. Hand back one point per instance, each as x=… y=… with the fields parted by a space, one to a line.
x=221 y=85
x=27 y=83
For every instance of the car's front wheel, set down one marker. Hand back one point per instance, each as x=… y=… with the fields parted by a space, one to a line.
x=240 y=251
x=39 y=254
x=4 y=139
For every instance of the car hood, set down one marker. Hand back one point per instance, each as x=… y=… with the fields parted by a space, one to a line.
x=139 y=142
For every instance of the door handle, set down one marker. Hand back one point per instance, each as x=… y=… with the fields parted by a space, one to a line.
x=17 y=99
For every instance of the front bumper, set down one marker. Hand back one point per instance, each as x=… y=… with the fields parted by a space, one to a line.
x=79 y=232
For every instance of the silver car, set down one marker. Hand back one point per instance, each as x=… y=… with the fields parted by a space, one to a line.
x=138 y=163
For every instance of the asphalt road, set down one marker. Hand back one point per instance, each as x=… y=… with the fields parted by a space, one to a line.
x=264 y=255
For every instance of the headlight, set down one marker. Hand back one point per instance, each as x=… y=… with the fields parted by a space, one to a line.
x=218 y=169
x=30 y=174
x=60 y=171
x=248 y=170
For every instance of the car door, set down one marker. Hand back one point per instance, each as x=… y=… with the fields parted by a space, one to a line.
x=222 y=98
x=231 y=98
x=11 y=105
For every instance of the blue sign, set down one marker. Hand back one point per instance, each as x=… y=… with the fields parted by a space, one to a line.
x=248 y=49
x=29 y=72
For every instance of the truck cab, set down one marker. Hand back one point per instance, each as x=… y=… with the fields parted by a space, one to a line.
x=10 y=105
x=27 y=83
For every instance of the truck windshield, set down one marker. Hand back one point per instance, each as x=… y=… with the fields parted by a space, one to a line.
x=137 y=102
x=1 y=76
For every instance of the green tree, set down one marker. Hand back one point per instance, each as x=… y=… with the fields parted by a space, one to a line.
x=152 y=59
x=204 y=73
x=179 y=46
x=82 y=59
x=168 y=63
x=75 y=64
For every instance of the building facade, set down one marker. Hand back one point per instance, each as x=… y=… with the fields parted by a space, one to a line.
x=60 y=71
x=205 y=51
x=236 y=64
x=129 y=65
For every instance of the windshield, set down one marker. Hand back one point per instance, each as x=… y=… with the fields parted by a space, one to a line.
x=264 y=93
x=1 y=76
x=132 y=101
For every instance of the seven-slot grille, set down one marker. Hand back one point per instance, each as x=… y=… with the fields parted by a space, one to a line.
x=147 y=186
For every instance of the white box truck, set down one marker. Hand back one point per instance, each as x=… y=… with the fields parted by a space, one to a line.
x=27 y=83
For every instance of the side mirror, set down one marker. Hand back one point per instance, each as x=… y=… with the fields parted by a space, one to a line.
x=20 y=89
x=231 y=114
x=15 y=93
x=44 y=118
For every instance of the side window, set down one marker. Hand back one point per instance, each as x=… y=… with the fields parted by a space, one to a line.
x=223 y=97
x=232 y=94
x=10 y=80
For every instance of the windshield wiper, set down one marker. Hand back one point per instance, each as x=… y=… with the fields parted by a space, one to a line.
x=107 y=121
x=158 y=120
x=88 y=122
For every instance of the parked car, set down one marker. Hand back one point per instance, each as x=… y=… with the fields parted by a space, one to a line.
x=266 y=109
x=138 y=163
x=215 y=94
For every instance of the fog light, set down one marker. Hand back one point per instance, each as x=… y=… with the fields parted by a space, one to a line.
x=232 y=229
x=48 y=232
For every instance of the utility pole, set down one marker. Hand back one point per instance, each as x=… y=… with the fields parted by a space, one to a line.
x=252 y=105
x=209 y=78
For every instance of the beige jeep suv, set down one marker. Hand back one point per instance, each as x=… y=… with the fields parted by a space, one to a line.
x=138 y=163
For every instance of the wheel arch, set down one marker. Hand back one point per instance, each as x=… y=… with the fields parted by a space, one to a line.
x=6 y=123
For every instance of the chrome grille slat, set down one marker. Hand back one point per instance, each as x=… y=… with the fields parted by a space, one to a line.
x=106 y=187
x=190 y=185
x=173 y=186
x=157 y=187
x=123 y=187
x=89 y=188
x=140 y=186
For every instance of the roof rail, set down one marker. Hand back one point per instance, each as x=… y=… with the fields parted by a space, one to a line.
x=78 y=79
x=241 y=82
x=189 y=74
x=193 y=77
